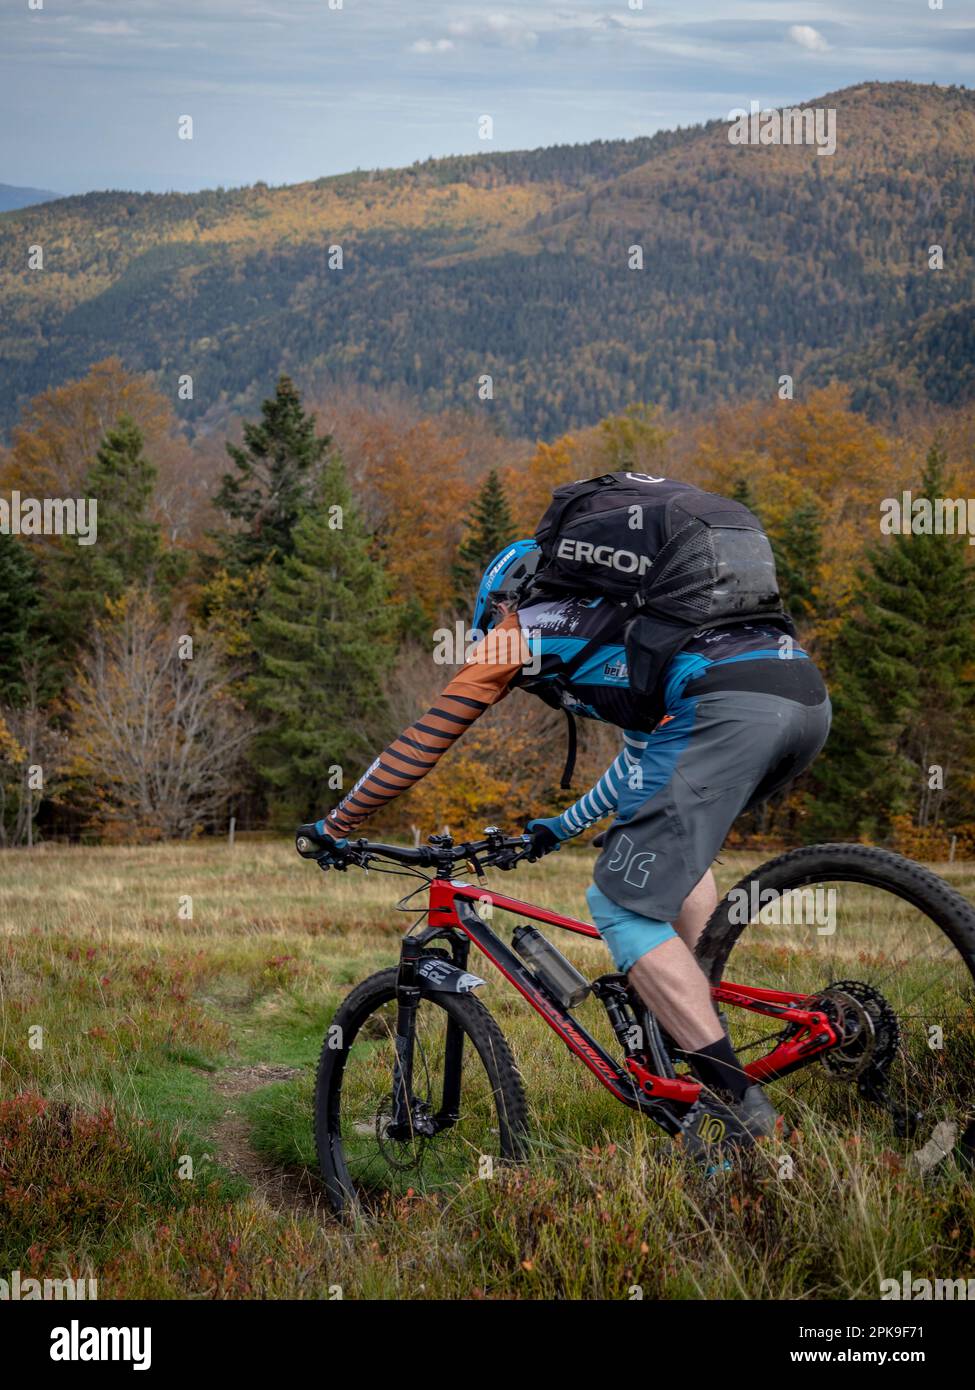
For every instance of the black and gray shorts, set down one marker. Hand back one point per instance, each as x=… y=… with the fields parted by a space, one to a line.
x=729 y=740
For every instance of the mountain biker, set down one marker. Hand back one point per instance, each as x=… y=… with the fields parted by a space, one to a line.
x=739 y=711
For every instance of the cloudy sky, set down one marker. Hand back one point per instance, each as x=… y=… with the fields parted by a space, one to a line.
x=91 y=91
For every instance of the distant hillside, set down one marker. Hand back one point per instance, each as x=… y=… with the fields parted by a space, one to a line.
x=758 y=261
x=12 y=197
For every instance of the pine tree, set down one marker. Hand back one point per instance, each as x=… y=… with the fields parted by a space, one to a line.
x=489 y=529
x=128 y=550
x=275 y=478
x=938 y=732
x=798 y=551
x=322 y=635
x=902 y=686
x=19 y=613
x=123 y=480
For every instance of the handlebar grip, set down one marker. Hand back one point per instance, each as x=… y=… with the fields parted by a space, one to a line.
x=311 y=843
x=307 y=847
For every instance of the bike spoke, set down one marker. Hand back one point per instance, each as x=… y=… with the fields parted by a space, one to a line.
x=420 y=1161
x=910 y=970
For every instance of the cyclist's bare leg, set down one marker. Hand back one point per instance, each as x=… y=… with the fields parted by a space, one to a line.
x=674 y=987
x=698 y=906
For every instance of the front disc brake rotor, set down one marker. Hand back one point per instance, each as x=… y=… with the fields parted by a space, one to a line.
x=405 y=1155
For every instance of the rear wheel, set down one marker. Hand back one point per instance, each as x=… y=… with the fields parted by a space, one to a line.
x=888 y=950
x=361 y=1156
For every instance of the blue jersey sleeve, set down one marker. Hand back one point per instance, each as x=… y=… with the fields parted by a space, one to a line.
x=602 y=799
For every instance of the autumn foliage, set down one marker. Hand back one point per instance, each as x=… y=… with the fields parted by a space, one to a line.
x=814 y=469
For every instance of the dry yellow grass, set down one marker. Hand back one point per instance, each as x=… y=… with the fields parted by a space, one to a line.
x=160 y=1016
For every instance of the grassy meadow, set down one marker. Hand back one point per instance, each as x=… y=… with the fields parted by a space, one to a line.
x=161 y=1014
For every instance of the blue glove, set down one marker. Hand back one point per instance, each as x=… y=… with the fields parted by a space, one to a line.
x=546 y=834
x=313 y=841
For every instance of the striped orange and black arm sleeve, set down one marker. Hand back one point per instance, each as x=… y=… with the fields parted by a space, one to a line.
x=484 y=680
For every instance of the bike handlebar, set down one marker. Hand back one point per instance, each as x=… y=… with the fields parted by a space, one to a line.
x=496 y=851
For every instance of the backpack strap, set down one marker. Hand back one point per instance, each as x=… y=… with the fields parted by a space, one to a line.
x=568 y=669
x=572 y=737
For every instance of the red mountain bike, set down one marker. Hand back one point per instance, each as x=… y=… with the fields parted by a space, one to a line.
x=860 y=962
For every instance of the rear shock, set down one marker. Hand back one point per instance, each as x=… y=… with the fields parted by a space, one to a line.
x=639 y=1036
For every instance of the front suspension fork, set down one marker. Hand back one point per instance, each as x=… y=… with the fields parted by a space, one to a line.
x=453 y=1061
x=408 y=996
x=409 y=1116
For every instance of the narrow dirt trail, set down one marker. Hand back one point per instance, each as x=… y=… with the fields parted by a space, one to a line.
x=284 y=1190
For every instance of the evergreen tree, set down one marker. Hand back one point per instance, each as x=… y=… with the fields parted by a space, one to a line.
x=322 y=635
x=798 y=551
x=902 y=685
x=19 y=613
x=275 y=478
x=128 y=550
x=489 y=529
x=123 y=479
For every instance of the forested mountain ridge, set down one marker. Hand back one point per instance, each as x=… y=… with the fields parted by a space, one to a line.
x=758 y=261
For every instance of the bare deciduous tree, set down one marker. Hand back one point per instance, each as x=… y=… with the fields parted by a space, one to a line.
x=157 y=730
x=33 y=753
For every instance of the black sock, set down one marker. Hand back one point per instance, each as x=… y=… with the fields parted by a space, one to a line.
x=719 y=1069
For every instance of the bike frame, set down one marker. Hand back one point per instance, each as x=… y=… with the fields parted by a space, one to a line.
x=452 y=914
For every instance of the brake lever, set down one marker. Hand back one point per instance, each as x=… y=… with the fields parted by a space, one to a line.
x=509 y=858
x=326 y=862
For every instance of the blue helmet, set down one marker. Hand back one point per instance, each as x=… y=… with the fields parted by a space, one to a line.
x=504 y=576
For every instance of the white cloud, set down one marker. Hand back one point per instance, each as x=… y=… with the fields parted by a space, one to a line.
x=432 y=46
x=808 y=37
x=495 y=28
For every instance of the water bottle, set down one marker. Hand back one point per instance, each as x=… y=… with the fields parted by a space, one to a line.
x=558 y=975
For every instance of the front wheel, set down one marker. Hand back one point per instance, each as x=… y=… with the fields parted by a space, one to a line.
x=888 y=950
x=467 y=1103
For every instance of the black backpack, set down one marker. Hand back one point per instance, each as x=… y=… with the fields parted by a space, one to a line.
x=661 y=545
x=673 y=558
